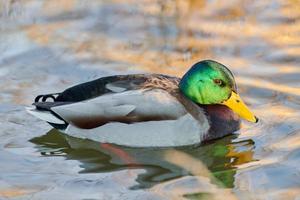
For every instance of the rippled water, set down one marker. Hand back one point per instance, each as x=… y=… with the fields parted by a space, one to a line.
x=46 y=46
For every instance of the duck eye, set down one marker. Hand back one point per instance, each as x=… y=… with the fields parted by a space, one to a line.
x=218 y=81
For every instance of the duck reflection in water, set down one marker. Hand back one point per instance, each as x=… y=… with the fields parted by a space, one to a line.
x=221 y=157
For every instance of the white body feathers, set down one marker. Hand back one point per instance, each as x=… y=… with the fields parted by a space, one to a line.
x=177 y=127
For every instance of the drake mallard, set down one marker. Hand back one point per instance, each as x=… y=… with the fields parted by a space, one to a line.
x=149 y=109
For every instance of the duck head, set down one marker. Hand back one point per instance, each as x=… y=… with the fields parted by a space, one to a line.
x=209 y=82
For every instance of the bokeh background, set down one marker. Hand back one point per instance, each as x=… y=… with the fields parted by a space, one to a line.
x=46 y=46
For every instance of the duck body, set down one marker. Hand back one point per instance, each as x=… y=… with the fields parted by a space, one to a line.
x=139 y=110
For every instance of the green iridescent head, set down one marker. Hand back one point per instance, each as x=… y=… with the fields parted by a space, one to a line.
x=208 y=82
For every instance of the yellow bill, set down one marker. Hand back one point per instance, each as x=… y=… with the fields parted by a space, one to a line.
x=236 y=104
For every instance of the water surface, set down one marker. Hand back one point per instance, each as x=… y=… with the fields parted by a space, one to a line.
x=46 y=46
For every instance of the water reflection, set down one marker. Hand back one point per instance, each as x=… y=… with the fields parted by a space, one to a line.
x=221 y=157
x=46 y=46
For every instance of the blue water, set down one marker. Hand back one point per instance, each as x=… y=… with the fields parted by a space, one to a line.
x=47 y=46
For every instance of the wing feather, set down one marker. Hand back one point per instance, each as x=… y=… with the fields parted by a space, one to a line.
x=128 y=107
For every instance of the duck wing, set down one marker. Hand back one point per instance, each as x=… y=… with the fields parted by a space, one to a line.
x=126 y=99
x=101 y=86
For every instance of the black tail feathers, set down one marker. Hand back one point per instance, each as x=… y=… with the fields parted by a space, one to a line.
x=45 y=97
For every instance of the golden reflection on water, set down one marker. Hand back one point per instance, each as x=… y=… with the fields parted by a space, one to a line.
x=259 y=83
x=55 y=7
x=15 y=192
x=45 y=34
x=258 y=40
x=202 y=31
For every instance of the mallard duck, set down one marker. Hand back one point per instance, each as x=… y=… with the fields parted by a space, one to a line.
x=149 y=110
